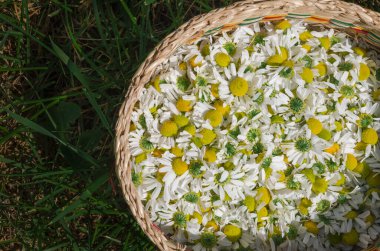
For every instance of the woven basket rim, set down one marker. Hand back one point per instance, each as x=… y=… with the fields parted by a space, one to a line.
x=226 y=18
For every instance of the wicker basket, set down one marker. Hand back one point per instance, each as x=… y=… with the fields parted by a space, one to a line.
x=351 y=18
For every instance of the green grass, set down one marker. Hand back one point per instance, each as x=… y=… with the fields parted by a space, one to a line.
x=64 y=67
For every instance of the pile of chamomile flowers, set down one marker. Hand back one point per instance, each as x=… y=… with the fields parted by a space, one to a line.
x=262 y=138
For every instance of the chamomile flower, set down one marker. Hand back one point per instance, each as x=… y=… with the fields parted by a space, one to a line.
x=207 y=240
x=236 y=237
x=225 y=182
x=139 y=143
x=305 y=148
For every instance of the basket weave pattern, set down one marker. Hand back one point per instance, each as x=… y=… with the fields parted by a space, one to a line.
x=332 y=13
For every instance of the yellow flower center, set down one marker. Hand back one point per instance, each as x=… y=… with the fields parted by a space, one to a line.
x=207 y=136
x=205 y=209
x=157 y=153
x=309 y=173
x=370 y=136
x=307 y=75
x=156 y=83
x=325 y=42
x=181 y=120
x=278 y=58
x=263 y=212
x=160 y=176
x=239 y=87
x=362 y=169
x=182 y=66
x=250 y=203
x=341 y=181
x=359 y=51
x=350 y=238
x=197 y=141
x=193 y=63
x=283 y=25
x=311 y=227
x=304 y=36
x=364 y=72
x=183 y=105
x=286 y=159
x=303 y=210
x=268 y=172
x=376 y=95
x=219 y=106
x=275 y=60
x=306 y=202
x=263 y=195
x=282 y=177
x=319 y=186
x=332 y=149
x=370 y=219
x=140 y=158
x=229 y=166
x=177 y=151
x=227 y=197
x=351 y=215
x=351 y=161
x=307 y=47
x=232 y=232
x=338 y=126
x=288 y=63
x=215 y=90
x=303 y=206
x=314 y=125
x=360 y=146
x=222 y=59
x=212 y=224
x=132 y=127
x=190 y=129
x=179 y=166
x=277 y=119
x=153 y=110
x=373 y=179
x=325 y=134
x=210 y=155
x=205 y=51
x=322 y=69
x=197 y=216
x=215 y=117
x=169 y=128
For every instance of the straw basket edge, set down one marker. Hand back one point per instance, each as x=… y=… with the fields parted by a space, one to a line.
x=357 y=21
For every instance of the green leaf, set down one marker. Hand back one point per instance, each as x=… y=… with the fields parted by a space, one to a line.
x=90 y=139
x=37 y=128
x=75 y=70
x=65 y=114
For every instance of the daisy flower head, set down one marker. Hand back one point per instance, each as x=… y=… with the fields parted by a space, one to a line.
x=305 y=148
